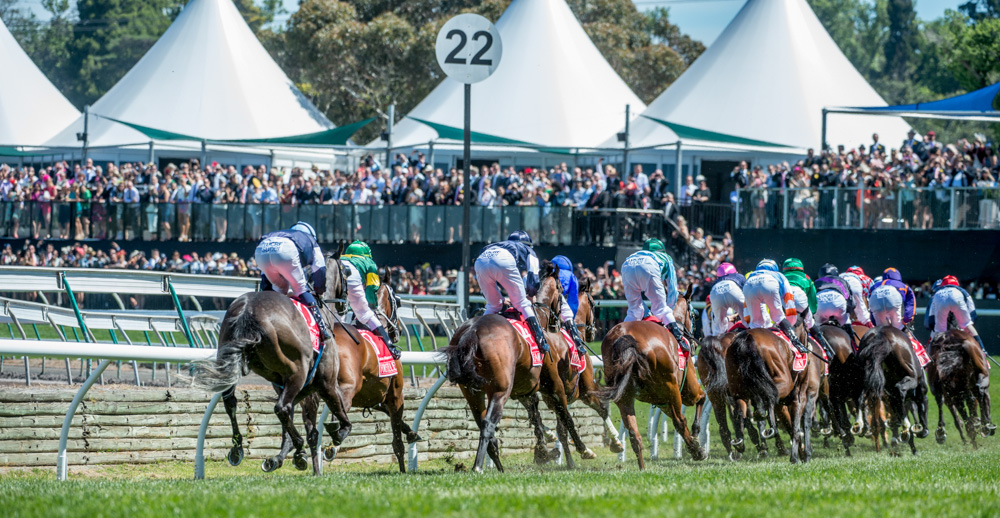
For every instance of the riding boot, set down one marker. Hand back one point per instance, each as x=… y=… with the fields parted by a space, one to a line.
x=536 y=330
x=786 y=327
x=821 y=339
x=396 y=353
x=324 y=331
x=265 y=283
x=675 y=330
x=570 y=328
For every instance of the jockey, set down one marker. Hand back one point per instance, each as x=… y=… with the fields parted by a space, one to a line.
x=283 y=257
x=891 y=301
x=858 y=284
x=726 y=294
x=502 y=263
x=362 y=285
x=570 y=300
x=650 y=271
x=793 y=271
x=766 y=286
x=834 y=299
x=950 y=298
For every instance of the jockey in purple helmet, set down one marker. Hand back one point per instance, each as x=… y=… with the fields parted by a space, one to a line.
x=726 y=294
x=891 y=301
x=500 y=265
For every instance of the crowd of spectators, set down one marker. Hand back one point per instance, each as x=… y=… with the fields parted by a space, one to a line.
x=884 y=181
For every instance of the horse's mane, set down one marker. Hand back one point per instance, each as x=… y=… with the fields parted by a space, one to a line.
x=548 y=269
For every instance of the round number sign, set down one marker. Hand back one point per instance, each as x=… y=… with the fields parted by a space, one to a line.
x=468 y=48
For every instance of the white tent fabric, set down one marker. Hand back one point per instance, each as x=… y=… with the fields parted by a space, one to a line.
x=768 y=78
x=552 y=87
x=31 y=108
x=208 y=77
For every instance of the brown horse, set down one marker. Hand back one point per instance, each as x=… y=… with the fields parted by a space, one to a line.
x=641 y=362
x=893 y=375
x=491 y=363
x=264 y=332
x=359 y=379
x=961 y=375
x=575 y=385
x=759 y=372
x=845 y=384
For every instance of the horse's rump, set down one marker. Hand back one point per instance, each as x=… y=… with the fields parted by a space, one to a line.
x=239 y=331
x=623 y=363
x=752 y=375
x=711 y=352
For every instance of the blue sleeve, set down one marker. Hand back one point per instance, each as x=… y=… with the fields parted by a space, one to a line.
x=572 y=294
x=671 y=285
x=531 y=284
x=319 y=280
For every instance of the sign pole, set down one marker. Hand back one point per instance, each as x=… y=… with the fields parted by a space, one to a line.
x=463 y=299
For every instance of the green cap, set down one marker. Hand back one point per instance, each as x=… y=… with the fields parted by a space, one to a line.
x=359 y=248
x=653 y=245
x=791 y=264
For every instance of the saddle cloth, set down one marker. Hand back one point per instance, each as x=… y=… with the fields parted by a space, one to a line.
x=525 y=332
x=310 y=323
x=386 y=363
x=826 y=365
x=918 y=349
x=576 y=360
x=682 y=356
x=801 y=359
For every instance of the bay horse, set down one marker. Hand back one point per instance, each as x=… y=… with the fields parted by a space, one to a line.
x=893 y=375
x=845 y=384
x=264 y=332
x=641 y=363
x=577 y=386
x=759 y=372
x=491 y=363
x=961 y=375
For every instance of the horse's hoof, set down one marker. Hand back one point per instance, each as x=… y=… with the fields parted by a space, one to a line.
x=826 y=432
x=990 y=429
x=550 y=436
x=588 y=454
x=270 y=465
x=300 y=463
x=735 y=456
x=767 y=433
x=856 y=429
x=904 y=436
x=701 y=454
x=412 y=437
x=922 y=434
x=235 y=455
x=553 y=455
x=330 y=453
x=616 y=446
x=541 y=456
x=762 y=454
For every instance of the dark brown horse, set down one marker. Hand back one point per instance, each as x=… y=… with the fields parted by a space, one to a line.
x=264 y=332
x=961 y=375
x=641 y=363
x=575 y=385
x=759 y=372
x=491 y=363
x=893 y=375
x=845 y=384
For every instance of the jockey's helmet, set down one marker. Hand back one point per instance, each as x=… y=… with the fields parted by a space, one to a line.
x=359 y=248
x=520 y=236
x=767 y=265
x=302 y=226
x=653 y=245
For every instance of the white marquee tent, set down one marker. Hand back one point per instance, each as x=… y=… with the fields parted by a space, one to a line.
x=553 y=88
x=208 y=77
x=764 y=82
x=31 y=109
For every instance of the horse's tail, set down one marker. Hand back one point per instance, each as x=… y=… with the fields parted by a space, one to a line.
x=871 y=356
x=461 y=361
x=621 y=367
x=951 y=359
x=711 y=351
x=753 y=372
x=230 y=363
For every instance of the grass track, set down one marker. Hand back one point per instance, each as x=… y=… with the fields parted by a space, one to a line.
x=948 y=480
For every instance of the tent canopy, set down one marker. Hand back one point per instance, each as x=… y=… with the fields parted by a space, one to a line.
x=332 y=137
x=32 y=110
x=552 y=89
x=976 y=105
x=766 y=79
x=207 y=76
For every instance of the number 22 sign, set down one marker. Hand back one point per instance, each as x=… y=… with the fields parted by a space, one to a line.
x=468 y=48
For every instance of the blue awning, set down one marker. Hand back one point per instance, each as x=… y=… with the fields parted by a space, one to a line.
x=977 y=105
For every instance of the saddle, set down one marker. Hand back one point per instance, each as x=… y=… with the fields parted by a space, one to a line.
x=801 y=359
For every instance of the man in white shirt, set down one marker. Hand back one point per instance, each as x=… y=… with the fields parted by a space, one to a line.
x=687 y=191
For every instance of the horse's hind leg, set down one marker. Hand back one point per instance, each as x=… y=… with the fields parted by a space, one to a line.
x=739 y=414
x=982 y=391
x=972 y=419
x=680 y=425
x=564 y=418
x=393 y=407
x=719 y=408
x=626 y=407
x=940 y=435
x=603 y=410
x=530 y=404
x=959 y=422
x=235 y=455
x=310 y=408
x=487 y=438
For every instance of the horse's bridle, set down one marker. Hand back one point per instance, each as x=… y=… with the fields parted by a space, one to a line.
x=391 y=322
x=591 y=327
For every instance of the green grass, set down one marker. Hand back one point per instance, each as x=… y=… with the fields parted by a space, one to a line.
x=944 y=480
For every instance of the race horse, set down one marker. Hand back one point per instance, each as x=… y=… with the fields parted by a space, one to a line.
x=641 y=362
x=844 y=385
x=893 y=376
x=264 y=332
x=576 y=385
x=759 y=371
x=961 y=375
x=491 y=362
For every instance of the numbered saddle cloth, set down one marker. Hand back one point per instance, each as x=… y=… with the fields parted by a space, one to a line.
x=918 y=349
x=576 y=360
x=310 y=323
x=801 y=359
x=386 y=363
x=522 y=329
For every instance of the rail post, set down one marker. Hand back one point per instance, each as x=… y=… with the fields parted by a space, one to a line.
x=61 y=470
x=420 y=413
x=76 y=308
x=199 y=456
x=180 y=312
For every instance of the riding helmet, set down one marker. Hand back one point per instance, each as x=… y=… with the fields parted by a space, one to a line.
x=302 y=226
x=725 y=269
x=520 y=236
x=653 y=245
x=828 y=270
x=767 y=265
x=949 y=280
x=359 y=248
